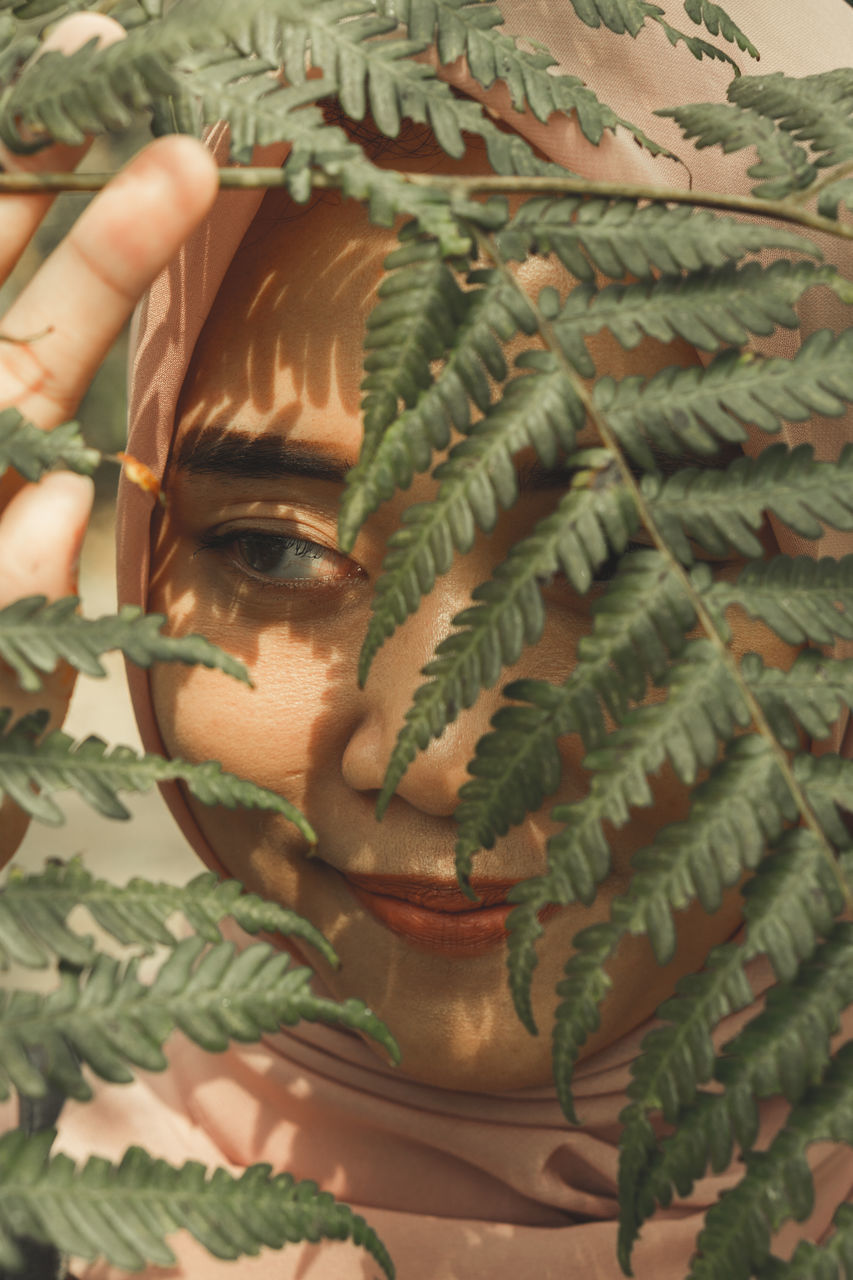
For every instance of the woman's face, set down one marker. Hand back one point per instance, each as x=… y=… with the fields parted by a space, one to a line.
x=246 y=554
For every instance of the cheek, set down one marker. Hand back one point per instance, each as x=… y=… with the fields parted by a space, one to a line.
x=275 y=733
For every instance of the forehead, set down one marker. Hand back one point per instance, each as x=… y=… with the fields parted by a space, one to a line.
x=282 y=347
x=281 y=352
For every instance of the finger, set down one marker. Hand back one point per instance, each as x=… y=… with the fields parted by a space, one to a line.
x=87 y=288
x=20 y=215
x=41 y=533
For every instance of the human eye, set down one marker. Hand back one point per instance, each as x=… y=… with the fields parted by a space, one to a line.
x=278 y=559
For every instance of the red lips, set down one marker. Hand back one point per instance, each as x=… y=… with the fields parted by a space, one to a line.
x=434 y=914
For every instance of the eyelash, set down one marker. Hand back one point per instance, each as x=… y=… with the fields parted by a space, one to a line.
x=279 y=545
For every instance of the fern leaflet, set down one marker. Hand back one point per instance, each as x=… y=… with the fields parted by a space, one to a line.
x=124 y=1212
x=695 y=408
x=619 y=237
x=494 y=311
x=35 y=635
x=719 y=509
x=639 y=621
x=109 y=1018
x=784 y=1049
x=34 y=911
x=833 y=1261
x=540 y=409
x=32 y=451
x=33 y=767
x=778 y=1182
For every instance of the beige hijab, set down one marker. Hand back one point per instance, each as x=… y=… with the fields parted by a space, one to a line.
x=459 y=1186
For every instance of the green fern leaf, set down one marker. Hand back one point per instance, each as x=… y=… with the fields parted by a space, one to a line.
x=828 y=781
x=778 y=1183
x=784 y=1049
x=799 y=598
x=792 y=898
x=541 y=409
x=693 y=409
x=832 y=1261
x=703 y=707
x=783 y=164
x=413 y=323
x=124 y=1212
x=34 y=911
x=111 y=1020
x=698 y=47
x=619 y=238
x=364 y=66
x=741 y=806
x=494 y=311
x=33 y=768
x=640 y=620
x=810 y=695
x=467 y=27
x=32 y=451
x=814 y=109
x=832 y=197
x=718 y=22
x=35 y=635
x=719 y=509
x=706 y=308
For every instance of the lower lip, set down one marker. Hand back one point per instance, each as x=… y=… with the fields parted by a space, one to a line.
x=455 y=933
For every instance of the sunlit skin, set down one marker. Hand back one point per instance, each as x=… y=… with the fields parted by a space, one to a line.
x=280 y=357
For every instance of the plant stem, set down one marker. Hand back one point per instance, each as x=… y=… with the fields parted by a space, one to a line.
x=254 y=177
x=597 y=419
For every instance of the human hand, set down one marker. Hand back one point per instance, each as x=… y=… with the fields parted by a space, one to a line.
x=55 y=336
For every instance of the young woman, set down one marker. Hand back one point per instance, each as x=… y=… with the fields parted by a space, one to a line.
x=245 y=396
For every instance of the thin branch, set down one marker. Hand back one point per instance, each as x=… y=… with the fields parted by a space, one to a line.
x=254 y=177
x=489 y=249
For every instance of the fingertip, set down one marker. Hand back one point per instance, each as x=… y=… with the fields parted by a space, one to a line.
x=183 y=167
x=77 y=29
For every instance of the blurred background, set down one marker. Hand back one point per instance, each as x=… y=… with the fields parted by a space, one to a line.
x=150 y=844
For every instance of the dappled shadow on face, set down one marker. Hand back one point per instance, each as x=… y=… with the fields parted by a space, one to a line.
x=288 y=322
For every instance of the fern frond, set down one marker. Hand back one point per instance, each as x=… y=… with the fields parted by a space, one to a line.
x=467 y=27
x=694 y=408
x=32 y=451
x=35 y=635
x=33 y=768
x=810 y=695
x=783 y=164
x=494 y=312
x=353 y=46
x=414 y=321
x=719 y=509
x=828 y=782
x=540 y=409
x=619 y=238
x=792 y=897
x=111 y=1021
x=641 y=619
x=778 y=1183
x=718 y=22
x=743 y=804
x=703 y=707
x=831 y=1261
x=815 y=109
x=708 y=308
x=124 y=1211
x=799 y=598
x=34 y=911
x=260 y=110
x=784 y=1049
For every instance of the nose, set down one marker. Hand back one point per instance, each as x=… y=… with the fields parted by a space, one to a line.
x=432 y=781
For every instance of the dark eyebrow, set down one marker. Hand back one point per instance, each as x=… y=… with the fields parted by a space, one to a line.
x=228 y=451
x=234 y=453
